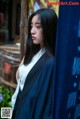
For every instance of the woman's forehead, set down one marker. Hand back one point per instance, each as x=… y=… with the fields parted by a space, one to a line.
x=36 y=19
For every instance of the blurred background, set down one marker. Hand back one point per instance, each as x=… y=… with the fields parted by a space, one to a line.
x=13 y=34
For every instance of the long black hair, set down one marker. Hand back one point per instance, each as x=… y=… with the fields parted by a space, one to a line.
x=49 y=24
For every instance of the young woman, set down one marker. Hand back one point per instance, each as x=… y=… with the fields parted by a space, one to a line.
x=33 y=98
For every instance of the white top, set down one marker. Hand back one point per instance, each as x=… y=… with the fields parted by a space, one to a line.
x=23 y=72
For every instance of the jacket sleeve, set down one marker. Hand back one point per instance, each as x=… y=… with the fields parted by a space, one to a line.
x=45 y=95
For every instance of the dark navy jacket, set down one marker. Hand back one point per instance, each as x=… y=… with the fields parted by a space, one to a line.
x=36 y=99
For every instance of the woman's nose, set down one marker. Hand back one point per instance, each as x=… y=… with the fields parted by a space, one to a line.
x=33 y=30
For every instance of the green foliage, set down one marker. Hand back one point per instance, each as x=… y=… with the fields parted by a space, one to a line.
x=5 y=97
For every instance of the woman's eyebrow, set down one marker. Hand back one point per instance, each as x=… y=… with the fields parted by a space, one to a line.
x=36 y=23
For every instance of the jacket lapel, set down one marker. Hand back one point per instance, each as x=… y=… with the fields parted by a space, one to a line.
x=31 y=77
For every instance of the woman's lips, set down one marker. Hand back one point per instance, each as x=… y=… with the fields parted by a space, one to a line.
x=33 y=38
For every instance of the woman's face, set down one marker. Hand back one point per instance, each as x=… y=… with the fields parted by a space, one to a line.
x=37 y=31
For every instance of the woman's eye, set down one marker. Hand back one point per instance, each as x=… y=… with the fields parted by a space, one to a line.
x=38 y=26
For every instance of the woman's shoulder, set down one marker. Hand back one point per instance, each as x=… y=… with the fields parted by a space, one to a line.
x=50 y=59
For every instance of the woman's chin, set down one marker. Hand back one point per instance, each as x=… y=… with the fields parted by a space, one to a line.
x=35 y=43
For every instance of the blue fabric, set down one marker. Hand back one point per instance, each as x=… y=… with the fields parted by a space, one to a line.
x=35 y=101
x=67 y=67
